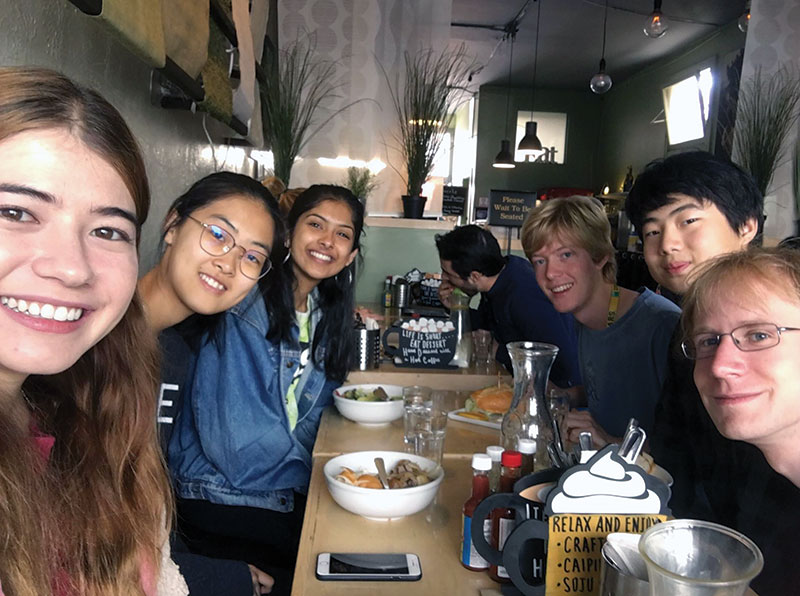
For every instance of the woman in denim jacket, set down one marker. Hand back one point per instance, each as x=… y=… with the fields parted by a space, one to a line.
x=240 y=454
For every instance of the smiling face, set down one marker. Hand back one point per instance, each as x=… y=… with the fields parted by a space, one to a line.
x=684 y=234
x=68 y=260
x=751 y=396
x=322 y=241
x=208 y=284
x=567 y=275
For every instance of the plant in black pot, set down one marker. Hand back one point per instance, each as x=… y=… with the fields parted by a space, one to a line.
x=425 y=98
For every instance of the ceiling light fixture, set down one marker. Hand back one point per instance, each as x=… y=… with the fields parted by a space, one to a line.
x=656 y=25
x=530 y=143
x=504 y=159
x=744 y=20
x=601 y=82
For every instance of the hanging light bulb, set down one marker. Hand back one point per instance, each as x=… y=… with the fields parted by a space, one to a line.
x=504 y=159
x=601 y=82
x=530 y=143
x=744 y=20
x=656 y=25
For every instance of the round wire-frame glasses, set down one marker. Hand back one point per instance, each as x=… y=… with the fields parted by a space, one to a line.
x=748 y=338
x=218 y=242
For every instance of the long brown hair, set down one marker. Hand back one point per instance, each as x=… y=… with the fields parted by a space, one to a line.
x=89 y=518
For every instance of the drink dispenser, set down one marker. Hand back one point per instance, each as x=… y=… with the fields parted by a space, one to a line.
x=459 y=315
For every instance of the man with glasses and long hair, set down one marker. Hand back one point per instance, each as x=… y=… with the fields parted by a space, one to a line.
x=740 y=321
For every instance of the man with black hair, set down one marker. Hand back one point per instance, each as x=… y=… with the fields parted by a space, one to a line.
x=512 y=306
x=688 y=209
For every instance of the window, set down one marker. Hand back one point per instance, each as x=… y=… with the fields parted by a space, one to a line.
x=687 y=105
x=552 y=132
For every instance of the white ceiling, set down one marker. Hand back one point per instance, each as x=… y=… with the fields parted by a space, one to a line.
x=571 y=36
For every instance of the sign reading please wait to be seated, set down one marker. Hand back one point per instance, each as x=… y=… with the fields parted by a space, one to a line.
x=510 y=207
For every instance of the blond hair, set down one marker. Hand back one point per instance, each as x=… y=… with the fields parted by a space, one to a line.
x=577 y=218
x=94 y=511
x=753 y=272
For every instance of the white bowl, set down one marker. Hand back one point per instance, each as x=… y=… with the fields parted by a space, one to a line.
x=381 y=504
x=370 y=413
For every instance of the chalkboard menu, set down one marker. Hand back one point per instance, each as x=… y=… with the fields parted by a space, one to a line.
x=420 y=349
x=510 y=207
x=453 y=200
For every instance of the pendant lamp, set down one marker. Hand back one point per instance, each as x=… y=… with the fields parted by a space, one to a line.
x=530 y=143
x=656 y=25
x=601 y=82
x=504 y=159
x=744 y=20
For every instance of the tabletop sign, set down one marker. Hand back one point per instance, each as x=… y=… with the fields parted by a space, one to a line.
x=604 y=495
x=453 y=200
x=510 y=207
x=421 y=349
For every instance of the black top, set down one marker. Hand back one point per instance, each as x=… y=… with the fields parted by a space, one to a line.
x=724 y=481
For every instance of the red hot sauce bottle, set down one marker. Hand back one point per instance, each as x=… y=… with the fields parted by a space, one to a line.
x=503 y=518
x=470 y=558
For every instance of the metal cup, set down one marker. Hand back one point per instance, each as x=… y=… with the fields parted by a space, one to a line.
x=367 y=348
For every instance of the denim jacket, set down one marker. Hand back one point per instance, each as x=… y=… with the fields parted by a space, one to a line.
x=232 y=444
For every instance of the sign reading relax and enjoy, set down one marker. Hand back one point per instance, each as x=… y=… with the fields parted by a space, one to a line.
x=510 y=207
x=453 y=200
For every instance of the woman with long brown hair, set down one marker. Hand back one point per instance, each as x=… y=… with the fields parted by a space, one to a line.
x=84 y=499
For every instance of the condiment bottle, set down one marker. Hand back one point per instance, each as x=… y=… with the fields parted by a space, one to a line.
x=387 y=291
x=496 y=453
x=470 y=558
x=527 y=447
x=503 y=518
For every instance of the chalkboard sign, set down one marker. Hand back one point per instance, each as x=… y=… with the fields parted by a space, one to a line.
x=453 y=200
x=510 y=207
x=419 y=349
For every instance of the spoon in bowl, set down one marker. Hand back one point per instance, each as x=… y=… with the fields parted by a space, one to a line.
x=382 y=472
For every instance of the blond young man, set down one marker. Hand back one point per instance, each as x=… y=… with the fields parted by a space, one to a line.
x=568 y=241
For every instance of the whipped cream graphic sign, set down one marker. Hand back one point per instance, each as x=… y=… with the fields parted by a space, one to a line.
x=604 y=495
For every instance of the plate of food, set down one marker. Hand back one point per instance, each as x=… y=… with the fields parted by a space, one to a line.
x=370 y=405
x=486 y=406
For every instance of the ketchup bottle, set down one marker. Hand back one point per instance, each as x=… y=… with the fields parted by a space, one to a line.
x=470 y=558
x=503 y=518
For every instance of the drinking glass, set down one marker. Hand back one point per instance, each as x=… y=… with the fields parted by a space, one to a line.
x=416 y=407
x=481 y=348
x=429 y=436
x=687 y=557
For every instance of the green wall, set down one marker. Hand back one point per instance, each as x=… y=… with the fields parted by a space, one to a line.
x=627 y=136
x=583 y=110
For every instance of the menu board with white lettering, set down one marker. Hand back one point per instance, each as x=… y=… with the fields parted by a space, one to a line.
x=510 y=207
x=453 y=200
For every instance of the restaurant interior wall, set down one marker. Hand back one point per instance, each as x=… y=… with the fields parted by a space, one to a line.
x=583 y=116
x=628 y=136
x=55 y=34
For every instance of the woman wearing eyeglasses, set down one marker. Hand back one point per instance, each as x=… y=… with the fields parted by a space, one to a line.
x=241 y=462
x=742 y=317
x=218 y=240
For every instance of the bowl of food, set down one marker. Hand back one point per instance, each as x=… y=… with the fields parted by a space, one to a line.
x=370 y=405
x=354 y=484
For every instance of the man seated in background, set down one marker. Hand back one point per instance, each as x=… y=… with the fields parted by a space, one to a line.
x=512 y=305
x=568 y=241
x=742 y=331
x=688 y=209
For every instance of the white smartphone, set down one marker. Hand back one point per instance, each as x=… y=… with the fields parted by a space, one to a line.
x=368 y=567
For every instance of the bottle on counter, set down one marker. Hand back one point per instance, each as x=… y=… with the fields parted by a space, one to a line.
x=503 y=518
x=527 y=447
x=470 y=558
x=495 y=452
x=387 y=292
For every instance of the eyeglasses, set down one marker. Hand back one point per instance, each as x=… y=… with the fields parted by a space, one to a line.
x=748 y=338
x=217 y=242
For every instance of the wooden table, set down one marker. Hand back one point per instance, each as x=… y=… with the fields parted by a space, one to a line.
x=434 y=534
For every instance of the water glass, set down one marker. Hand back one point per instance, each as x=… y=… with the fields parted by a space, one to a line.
x=481 y=347
x=429 y=436
x=687 y=557
x=416 y=407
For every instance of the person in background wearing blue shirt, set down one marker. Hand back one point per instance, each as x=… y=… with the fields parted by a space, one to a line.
x=240 y=455
x=568 y=241
x=512 y=306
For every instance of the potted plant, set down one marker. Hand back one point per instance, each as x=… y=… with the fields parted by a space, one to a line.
x=767 y=111
x=432 y=87
x=361 y=182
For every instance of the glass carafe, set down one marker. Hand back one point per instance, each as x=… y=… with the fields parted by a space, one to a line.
x=529 y=417
x=459 y=315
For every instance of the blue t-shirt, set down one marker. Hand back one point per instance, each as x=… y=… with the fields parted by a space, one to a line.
x=624 y=366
